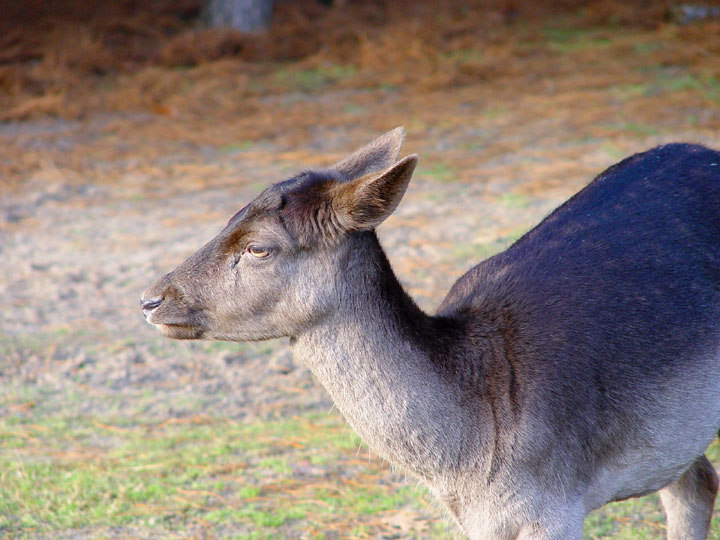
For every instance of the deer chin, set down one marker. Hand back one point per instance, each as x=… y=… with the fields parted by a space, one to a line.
x=180 y=331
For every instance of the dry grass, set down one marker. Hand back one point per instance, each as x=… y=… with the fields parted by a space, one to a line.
x=592 y=69
x=79 y=59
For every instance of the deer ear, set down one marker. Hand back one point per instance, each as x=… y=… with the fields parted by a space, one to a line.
x=374 y=157
x=364 y=203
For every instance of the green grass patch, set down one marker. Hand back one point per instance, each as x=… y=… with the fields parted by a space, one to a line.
x=463 y=56
x=234 y=148
x=352 y=108
x=388 y=87
x=637 y=128
x=565 y=39
x=462 y=254
x=634 y=90
x=298 y=477
x=712 y=88
x=439 y=171
x=515 y=200
x=495 y=112
x=38 y=342
x=630 y=129
x=662 y=80
x=649 y=47
x=308 y=80
x=259 y=479
x=613 y=150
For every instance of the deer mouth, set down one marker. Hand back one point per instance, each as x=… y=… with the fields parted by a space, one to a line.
x=173 y=325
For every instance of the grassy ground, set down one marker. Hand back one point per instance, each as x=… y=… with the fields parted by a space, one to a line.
x=121 y=155
x=210 y=476
x=300 y=477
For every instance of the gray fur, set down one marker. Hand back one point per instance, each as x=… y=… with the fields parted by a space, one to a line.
x=579 y=367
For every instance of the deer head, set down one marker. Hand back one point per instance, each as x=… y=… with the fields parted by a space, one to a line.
x=277 y=266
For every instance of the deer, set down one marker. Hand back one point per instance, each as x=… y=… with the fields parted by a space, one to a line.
x=579 y=366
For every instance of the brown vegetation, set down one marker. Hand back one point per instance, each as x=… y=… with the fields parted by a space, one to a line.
x=398 y=62
x=70 y=59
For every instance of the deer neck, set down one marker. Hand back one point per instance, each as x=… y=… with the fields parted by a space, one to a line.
x=374 y=355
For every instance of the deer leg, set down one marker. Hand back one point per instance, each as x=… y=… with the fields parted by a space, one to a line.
x=689 y=502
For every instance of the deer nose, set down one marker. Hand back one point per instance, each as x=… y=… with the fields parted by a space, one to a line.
x=151 y=303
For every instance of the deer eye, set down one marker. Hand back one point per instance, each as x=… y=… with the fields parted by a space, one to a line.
x=259 y=252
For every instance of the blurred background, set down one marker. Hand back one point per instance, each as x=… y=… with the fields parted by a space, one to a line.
x=130 y=131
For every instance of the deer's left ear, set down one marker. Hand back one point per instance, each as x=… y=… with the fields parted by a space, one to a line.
x=362 y=204
x=373 y=157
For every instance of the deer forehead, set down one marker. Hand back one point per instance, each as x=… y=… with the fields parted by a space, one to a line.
x=283 y=209
x=291 y=207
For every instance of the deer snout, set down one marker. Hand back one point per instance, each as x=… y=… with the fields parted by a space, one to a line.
x=149 y=304
x=154 y=296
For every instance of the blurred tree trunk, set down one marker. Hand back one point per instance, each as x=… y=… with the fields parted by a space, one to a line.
x=244 y=15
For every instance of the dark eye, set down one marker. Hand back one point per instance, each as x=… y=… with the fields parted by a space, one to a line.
x=259 y=252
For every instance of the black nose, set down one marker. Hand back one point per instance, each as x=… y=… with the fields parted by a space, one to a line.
x=149 y=305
